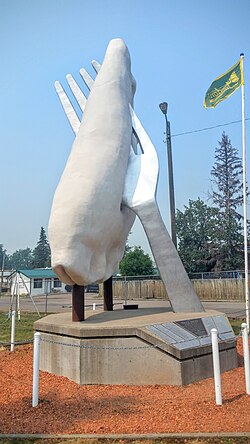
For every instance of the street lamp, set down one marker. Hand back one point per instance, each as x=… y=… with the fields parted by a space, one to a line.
x=164 y=108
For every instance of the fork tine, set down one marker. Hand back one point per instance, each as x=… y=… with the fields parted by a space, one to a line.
x=96 y=65
x=145 y=142
x=68 y=107
x=87 y=78
x=80 y=97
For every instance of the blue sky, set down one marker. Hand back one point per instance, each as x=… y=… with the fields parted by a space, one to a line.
x=177 y=49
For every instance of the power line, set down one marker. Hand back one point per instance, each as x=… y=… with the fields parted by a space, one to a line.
x=208 y=128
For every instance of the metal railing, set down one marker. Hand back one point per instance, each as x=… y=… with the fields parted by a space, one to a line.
x=155 y=277
x=232 y=274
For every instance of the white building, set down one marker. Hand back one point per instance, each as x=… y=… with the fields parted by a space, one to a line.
x=39 y=281
x=4 y=283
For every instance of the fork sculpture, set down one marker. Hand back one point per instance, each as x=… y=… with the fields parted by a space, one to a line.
x=140 y=196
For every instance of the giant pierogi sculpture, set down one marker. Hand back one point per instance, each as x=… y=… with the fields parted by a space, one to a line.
x=104 y=179
x=88 y=226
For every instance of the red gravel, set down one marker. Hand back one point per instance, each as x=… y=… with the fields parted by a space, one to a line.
x=66 y=407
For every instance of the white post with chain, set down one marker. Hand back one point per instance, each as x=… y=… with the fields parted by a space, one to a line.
x=216 y=365
x=13 y=328
x=36 y=365
x=246 y=356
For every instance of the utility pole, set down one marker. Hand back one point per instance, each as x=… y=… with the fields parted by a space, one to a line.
x=2 y=270
x=164 y=107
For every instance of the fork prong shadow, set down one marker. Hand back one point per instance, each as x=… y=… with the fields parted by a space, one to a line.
x=234 y=398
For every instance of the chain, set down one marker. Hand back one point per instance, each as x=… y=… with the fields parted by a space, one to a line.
x=25 y=341
x=99 y=347
x=139 y=347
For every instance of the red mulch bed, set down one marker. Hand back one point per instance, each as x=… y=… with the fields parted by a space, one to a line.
x=66 y=407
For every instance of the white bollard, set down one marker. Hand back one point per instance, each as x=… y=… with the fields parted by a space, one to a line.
x=246 y=356
x=216 y=365
x=94 y=305
x=36 y=365
x=13 y=328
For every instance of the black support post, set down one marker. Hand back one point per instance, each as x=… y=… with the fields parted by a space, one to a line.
x=77 y=303
x=108 y=295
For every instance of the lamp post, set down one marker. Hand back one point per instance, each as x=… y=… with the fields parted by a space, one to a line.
x=164 y=107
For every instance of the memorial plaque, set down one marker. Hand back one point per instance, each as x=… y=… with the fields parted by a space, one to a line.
x=168 y=338
x=194 y=326
x=222 y=324
x=175 y=335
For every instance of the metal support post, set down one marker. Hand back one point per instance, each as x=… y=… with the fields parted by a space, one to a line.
x=108 y=294
x=78 y=303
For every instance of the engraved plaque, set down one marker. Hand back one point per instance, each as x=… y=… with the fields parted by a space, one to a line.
x=194 y=326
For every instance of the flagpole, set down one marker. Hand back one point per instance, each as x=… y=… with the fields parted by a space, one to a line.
x=244 y=195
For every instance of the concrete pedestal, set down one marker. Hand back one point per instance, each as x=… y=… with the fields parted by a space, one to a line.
x=135 y=347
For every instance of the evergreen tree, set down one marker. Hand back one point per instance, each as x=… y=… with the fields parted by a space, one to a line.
x=136 y=263
x=21 y=259
x=197 y=228
x=41 y=253
x=227 y=196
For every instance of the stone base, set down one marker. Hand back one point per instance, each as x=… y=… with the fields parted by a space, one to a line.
x=135 y=347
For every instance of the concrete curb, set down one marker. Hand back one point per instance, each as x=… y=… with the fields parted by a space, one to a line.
x=128 y=436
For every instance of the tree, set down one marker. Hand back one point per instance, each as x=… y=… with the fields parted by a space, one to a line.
x=227 y=196
x=4 y=259
x=41 y=253
x=21 y=259
x=136 y=263
x=197 y=228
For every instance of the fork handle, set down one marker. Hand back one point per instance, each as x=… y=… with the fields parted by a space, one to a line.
x=179 y=288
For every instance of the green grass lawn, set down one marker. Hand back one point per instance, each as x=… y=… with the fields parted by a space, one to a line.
x=24 y=327
x=236 y=324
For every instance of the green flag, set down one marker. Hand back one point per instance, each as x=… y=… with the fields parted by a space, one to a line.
x=224 y=86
